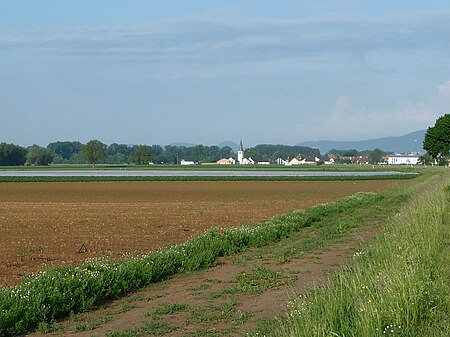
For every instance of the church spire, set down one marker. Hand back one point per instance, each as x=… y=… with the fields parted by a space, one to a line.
x=241 y=147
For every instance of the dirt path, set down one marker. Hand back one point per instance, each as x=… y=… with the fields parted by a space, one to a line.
x=215 y=302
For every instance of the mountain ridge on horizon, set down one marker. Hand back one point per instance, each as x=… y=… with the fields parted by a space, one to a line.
x=410 y=142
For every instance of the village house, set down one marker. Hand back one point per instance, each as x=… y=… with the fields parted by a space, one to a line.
x=247 y=161
x=295 y=161
x=361 y=160
x=309 y=160
x=332 y=157
x=226 y=161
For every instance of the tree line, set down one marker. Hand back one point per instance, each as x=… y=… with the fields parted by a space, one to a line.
x=270 y=153
x=96 y=152
x=436 y=143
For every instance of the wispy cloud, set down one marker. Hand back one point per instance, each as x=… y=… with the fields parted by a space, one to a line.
x=212 y=40
x=444 y=89
x=400 y=118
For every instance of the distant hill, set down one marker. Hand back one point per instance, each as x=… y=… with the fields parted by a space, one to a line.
x=184 y=144
x=411 y=142
x=229 y=143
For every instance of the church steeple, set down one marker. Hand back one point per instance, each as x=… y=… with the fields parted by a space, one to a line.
x=240 y=153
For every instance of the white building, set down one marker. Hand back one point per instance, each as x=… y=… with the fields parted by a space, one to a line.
x=309 y=160
x=281 y=161
x=247 y=161
x=403 y=159
x=186 y=162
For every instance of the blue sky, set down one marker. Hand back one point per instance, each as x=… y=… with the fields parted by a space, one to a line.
x=158 y=72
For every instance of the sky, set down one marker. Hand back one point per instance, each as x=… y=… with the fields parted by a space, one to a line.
x=204 y=72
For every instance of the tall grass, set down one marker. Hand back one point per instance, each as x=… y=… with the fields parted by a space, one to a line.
x=57 y=293
x=400 y=286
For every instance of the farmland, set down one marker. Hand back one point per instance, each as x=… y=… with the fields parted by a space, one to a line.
x=49 y=224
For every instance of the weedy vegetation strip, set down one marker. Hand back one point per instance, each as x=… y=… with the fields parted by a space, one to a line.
x=59 y=292
x=400 y=286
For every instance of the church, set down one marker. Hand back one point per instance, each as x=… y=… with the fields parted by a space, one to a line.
x=241 y=157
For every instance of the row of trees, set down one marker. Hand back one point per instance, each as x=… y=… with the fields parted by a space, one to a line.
x=94 y=152
x=436 y=143
x=268 y=152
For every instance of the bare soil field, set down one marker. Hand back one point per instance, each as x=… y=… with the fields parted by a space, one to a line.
x=45 y=224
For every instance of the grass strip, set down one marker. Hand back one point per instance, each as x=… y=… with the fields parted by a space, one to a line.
x=400 y=286
x=59 y=292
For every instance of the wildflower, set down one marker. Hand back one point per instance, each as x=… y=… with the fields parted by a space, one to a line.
x=358 y=253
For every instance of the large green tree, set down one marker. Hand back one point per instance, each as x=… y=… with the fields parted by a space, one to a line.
x=93 y=151
x=11 y=154
x=376 y=156
x=254 y=154
x=65 y=149
x=437 y=138
x=118 y=153
x=39 y=156
x=226 y=152
x=140 y=155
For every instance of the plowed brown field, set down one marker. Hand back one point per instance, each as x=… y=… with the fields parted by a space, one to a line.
x=53 y=223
